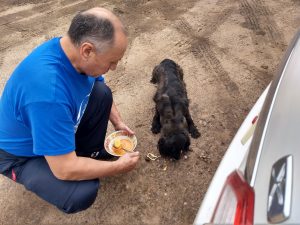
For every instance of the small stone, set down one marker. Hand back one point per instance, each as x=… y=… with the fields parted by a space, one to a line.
x=185 y=157
x=203 y=123
x=147 y=159
x=185 y=203
x=166 y=194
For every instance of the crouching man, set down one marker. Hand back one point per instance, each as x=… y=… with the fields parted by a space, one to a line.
x=54 y=113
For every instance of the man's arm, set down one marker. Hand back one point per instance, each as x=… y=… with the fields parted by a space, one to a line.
x=71 y=167
x=116 y=120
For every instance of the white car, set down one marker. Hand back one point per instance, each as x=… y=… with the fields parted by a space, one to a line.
x=258 y=179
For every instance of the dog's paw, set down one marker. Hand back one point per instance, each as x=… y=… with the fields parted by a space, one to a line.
x=194 y=132
x=155 y=129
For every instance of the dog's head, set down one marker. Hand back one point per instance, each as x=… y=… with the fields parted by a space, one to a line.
x=165 y=68
x=172 y=145
x=174 y=130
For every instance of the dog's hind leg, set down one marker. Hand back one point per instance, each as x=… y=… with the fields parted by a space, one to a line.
x=191 y=126
x=156 y=126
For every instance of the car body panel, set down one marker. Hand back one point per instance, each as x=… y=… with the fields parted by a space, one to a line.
x=232 y=159
x=274 y=144
x=281 y=138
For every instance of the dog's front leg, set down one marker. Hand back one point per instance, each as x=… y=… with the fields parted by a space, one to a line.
x=156 y=126
x=191 y=126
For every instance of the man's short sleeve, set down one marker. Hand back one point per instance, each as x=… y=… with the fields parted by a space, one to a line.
x=100 y=78
x=51 y=126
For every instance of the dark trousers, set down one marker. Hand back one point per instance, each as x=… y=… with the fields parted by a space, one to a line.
x=35 y=174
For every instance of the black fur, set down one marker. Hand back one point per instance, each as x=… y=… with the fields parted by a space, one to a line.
x=172 y=117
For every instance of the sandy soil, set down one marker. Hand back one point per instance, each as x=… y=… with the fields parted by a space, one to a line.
x=229 y=51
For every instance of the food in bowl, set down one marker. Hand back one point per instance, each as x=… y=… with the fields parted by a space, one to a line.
x=120 y=144
x=116 y=142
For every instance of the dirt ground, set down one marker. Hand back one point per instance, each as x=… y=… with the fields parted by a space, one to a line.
x=229 y=51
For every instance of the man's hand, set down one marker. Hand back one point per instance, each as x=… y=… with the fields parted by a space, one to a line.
x=128 y=161
x=123 y=126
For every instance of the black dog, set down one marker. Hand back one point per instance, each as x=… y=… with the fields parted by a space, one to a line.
x=172 y=116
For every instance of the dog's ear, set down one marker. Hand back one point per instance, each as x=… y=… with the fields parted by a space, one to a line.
x=179 y=71
x=155 y=74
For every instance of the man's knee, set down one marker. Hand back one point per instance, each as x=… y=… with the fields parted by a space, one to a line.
x=83 y=197
x=101 y=90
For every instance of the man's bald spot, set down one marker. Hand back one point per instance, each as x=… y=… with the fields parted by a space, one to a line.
x=106 y=14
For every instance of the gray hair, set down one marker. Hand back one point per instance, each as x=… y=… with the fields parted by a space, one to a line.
x=86 y=27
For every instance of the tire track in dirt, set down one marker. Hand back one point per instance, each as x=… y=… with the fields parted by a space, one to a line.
x=202 y=49
x=151 y=15
x=10 y=22
x=46 y=18
x=172 y=11
x=158 y=11
x=137 y=77
x=42 y=13
x=20 y=15
x=262 y=75
x=259 y=19
x=34 y=21
x=296 y=1
x=216 y=22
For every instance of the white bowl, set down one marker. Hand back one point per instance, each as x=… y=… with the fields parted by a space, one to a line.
x=110 y=139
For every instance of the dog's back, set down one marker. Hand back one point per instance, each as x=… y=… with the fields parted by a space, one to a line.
x=169 y=77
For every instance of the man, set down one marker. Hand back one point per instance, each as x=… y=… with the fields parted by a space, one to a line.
x=55 y=109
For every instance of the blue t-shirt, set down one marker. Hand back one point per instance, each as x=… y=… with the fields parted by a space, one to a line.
x=42 y=103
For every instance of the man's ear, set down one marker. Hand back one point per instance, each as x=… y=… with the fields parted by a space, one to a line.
x=87 y=50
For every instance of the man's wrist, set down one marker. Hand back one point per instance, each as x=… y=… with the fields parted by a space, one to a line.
x=116 y=167
x=117 y=125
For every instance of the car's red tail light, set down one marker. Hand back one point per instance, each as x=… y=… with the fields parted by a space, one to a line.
x=236 y=203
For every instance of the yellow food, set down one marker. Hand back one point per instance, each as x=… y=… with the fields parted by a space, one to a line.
x=117 y=143
x=127 y=144
x=120 y=144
